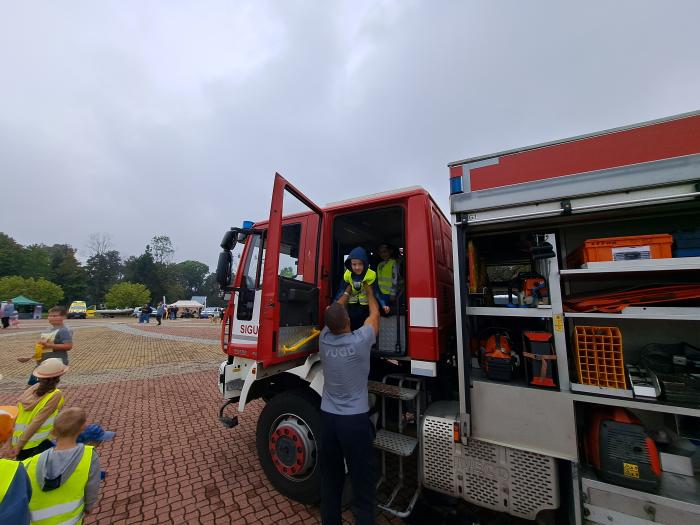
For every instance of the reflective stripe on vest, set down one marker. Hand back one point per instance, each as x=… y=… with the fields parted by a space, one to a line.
x=24 y=419
x=8 y=469
x=64 y=505
x=359 y=295
x=385 y=277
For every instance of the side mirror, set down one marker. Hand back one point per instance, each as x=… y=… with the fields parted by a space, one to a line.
x=223 y=269
x=229 y=240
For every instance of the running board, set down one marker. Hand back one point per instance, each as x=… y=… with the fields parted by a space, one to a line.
x=405 y=513
x=392 y=391
x=394 y=443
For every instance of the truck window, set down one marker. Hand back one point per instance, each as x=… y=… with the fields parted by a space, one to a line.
x=250 y=270
x=289 y=252
x=289 y=257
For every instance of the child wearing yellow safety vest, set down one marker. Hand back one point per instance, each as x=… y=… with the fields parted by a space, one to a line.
x=388 y=274
x=38 y=407
x=65 y=479
x=357 y=276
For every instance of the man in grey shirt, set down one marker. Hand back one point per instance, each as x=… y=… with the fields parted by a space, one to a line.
x=346 y=430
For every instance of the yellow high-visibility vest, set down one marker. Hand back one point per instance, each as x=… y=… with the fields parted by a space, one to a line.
x=8 y=469
x=65 y=504
x=24 y=419
x=357 y=292
x=385 y=277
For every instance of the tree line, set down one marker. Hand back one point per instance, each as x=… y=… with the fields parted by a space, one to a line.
x=54 y=275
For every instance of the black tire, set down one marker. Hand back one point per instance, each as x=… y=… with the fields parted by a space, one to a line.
x=302 y=407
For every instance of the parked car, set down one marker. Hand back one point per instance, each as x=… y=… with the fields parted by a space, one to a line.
x=209 y=311
x=137 y=311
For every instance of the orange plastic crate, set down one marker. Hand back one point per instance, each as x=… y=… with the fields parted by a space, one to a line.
x=595 y=250
x=599 y=359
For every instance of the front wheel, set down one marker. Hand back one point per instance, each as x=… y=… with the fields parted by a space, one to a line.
x=287 y=438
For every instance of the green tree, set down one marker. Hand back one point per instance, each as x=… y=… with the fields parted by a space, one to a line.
x=162 y=249
x=67 y=272
x=192 y=275
x=143 y=269
x=41 y=290
x=37 y=262
x=103 y=270
x=11 y=256
x=47 y=293
x=211 y=290
x=288 y=272
x=126 y=295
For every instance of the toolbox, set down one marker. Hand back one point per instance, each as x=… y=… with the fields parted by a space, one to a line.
x=622 y=249
x=687 y=239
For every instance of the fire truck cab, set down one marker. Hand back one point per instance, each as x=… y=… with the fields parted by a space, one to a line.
x=290 y=269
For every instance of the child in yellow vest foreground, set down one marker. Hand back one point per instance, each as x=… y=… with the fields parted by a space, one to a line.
x=65 y=479
x=38 y=407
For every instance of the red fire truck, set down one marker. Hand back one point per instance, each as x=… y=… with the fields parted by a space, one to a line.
x=476 y=377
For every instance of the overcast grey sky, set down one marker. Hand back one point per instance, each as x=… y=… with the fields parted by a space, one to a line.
x=141 y=118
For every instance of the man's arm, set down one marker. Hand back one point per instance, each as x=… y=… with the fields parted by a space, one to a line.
x=373 y=319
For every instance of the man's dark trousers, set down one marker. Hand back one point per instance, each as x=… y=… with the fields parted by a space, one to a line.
x=349 y=438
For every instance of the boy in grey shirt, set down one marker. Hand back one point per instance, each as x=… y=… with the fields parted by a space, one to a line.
x=60 y=340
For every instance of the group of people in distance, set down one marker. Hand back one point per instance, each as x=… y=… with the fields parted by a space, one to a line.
x=49 y=469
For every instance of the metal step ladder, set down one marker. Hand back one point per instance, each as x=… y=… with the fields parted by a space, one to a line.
x=402 y=389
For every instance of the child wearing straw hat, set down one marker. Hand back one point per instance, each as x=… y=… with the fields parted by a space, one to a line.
x=37 y=407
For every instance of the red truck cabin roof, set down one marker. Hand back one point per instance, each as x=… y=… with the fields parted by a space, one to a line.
x=636 y=145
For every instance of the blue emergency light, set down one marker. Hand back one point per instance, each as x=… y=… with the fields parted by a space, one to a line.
x=456 y=185
x=247 y=225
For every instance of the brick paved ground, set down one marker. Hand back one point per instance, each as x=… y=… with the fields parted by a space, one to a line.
x=171 y=462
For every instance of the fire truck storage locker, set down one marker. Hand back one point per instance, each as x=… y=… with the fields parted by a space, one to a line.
x=619 y=396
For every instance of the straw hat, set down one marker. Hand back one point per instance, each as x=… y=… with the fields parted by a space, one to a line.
x=52 y=367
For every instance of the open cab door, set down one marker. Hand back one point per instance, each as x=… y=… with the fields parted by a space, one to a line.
x=289 y=310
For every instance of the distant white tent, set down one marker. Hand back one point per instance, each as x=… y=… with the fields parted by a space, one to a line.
x=183 y=303
x=200 y=299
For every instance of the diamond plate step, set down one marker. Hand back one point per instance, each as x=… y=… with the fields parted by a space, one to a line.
x=394 y=443
x=396 y=392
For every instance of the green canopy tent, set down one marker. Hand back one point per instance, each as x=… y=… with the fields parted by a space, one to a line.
x=25 y=306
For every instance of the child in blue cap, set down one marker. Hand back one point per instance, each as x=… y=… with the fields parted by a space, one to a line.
x=356 y=278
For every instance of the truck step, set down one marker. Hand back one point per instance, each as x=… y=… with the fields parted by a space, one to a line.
x=394 y=443
x=393 y=391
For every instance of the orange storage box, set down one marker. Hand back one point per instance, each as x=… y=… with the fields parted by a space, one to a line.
x=611 y=249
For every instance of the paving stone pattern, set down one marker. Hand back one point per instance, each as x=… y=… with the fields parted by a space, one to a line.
x=171 y=462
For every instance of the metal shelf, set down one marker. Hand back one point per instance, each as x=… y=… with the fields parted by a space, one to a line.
x=647 y=265
x=542 y=313
x=652 y=406
x=675 y=491
x=643 y=312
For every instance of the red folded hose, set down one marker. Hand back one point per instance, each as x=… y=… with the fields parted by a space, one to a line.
x=616 y=302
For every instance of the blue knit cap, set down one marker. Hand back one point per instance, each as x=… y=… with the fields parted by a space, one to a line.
x=94 y=433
